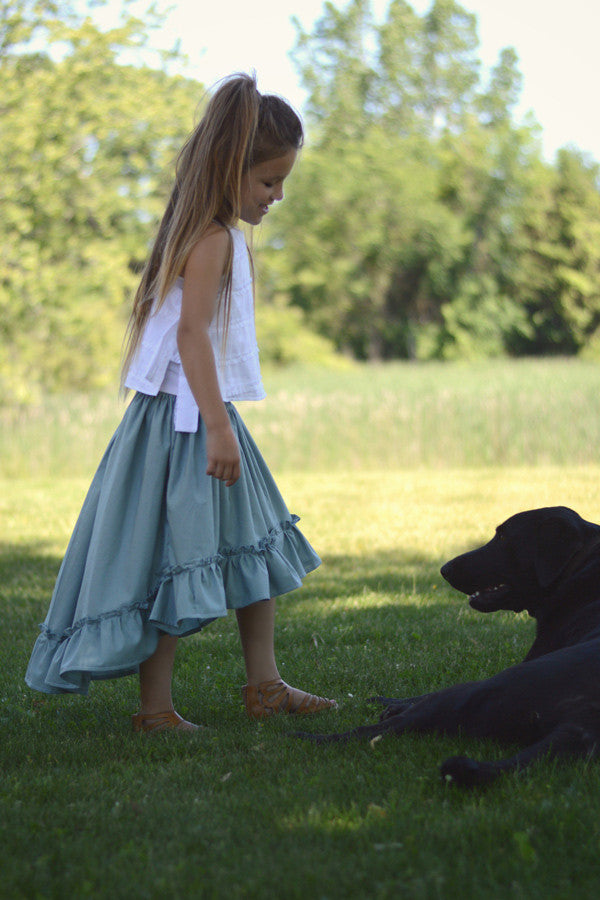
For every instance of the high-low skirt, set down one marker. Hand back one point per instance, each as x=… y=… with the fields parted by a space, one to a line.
x=161 y=547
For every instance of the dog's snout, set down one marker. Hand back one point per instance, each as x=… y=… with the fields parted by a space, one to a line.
x=459 y=577
x=445 y=570
x=448 y=569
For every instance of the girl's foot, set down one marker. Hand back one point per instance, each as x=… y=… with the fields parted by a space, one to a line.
x=271 y=697
x=162 y=721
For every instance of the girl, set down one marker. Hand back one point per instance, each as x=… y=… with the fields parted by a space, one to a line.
x=183 y=519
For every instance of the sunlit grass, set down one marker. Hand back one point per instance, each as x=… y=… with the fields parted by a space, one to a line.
x=393 y=470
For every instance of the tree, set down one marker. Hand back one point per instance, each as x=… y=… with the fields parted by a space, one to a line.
x=561 y=281
x=489 y=180
x=419 y=177
x=22 y=20
x=336 y=65
x=87 y=143
x=449 y=63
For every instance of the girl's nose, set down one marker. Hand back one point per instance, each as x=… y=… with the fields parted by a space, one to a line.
x=278 y=192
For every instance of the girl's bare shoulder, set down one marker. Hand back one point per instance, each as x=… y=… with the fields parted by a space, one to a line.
x=216 y=236
x=210 y=250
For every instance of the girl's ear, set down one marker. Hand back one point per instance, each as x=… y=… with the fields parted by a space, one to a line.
x=557 y=543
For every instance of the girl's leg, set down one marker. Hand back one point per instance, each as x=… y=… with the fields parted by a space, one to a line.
x=266 y=693
x=156 y=704
x=155 y=677
x=257 y=634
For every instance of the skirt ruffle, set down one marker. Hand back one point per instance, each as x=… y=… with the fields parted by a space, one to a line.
x=160 y=547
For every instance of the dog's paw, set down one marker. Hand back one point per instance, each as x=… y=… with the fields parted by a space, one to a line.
x=468 y=773
x=388 y=713
x=395 y=708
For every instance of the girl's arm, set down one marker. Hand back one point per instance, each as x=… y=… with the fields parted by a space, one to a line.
x=202 y=279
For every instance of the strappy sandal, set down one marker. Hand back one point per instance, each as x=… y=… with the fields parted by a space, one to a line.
x=271 y=697
x=161 y=721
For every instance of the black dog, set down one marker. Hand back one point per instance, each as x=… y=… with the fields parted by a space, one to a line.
x=545 y=561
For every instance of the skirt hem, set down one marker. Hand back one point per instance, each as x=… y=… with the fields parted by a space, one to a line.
x=186 y=599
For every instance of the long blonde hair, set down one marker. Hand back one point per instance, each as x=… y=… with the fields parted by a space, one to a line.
x=239 y=129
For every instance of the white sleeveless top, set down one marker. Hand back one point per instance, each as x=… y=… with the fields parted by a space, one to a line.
x=157 y=364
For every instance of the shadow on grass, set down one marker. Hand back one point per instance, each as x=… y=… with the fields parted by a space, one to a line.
x=27 y=576
x=386 y=572
x=396 y=598
x=384 y=623
x=26 y=567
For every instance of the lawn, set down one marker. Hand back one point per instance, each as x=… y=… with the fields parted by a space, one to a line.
x=243 y=810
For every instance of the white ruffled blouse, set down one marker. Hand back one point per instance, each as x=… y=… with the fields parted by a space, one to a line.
x=157 y=364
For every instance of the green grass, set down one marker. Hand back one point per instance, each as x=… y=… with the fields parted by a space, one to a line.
x=526 y=412
x=244 y=811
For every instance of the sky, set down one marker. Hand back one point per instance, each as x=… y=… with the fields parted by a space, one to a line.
x=556 y=42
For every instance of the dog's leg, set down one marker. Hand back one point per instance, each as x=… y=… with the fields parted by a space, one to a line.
x=364 y=732
x=395 y=706
x=567 y=740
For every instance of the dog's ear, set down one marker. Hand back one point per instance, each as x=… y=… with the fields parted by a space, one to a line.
x=557 y=543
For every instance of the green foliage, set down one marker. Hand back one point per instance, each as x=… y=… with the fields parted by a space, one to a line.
x=476 y=322
x=575 y=219
x=285 y=339
x=86 y=142
x=354 y=208
x=432 y=224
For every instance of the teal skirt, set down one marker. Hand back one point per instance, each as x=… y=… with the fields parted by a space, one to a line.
x=162 y=548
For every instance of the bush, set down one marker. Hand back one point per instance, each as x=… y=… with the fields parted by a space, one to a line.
x=284 y=338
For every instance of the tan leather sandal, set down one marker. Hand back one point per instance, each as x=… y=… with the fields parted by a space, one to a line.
x=161 y=721
x=271 y=697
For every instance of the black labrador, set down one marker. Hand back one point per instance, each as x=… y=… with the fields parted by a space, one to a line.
x=545 y=561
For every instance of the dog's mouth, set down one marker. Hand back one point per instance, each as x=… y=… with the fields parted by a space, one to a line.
x=490 y=598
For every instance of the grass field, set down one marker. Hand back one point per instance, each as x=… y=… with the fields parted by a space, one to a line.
x=397 y=416
x=244 y=811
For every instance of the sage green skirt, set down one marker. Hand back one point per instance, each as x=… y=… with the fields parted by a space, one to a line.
x=161 y=547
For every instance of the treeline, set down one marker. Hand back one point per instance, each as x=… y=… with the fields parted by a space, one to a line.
x=421 y=221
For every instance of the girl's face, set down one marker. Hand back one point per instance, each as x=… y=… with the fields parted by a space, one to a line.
x=263 y=184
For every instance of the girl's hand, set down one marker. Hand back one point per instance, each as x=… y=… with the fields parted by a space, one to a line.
x=223 y=454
